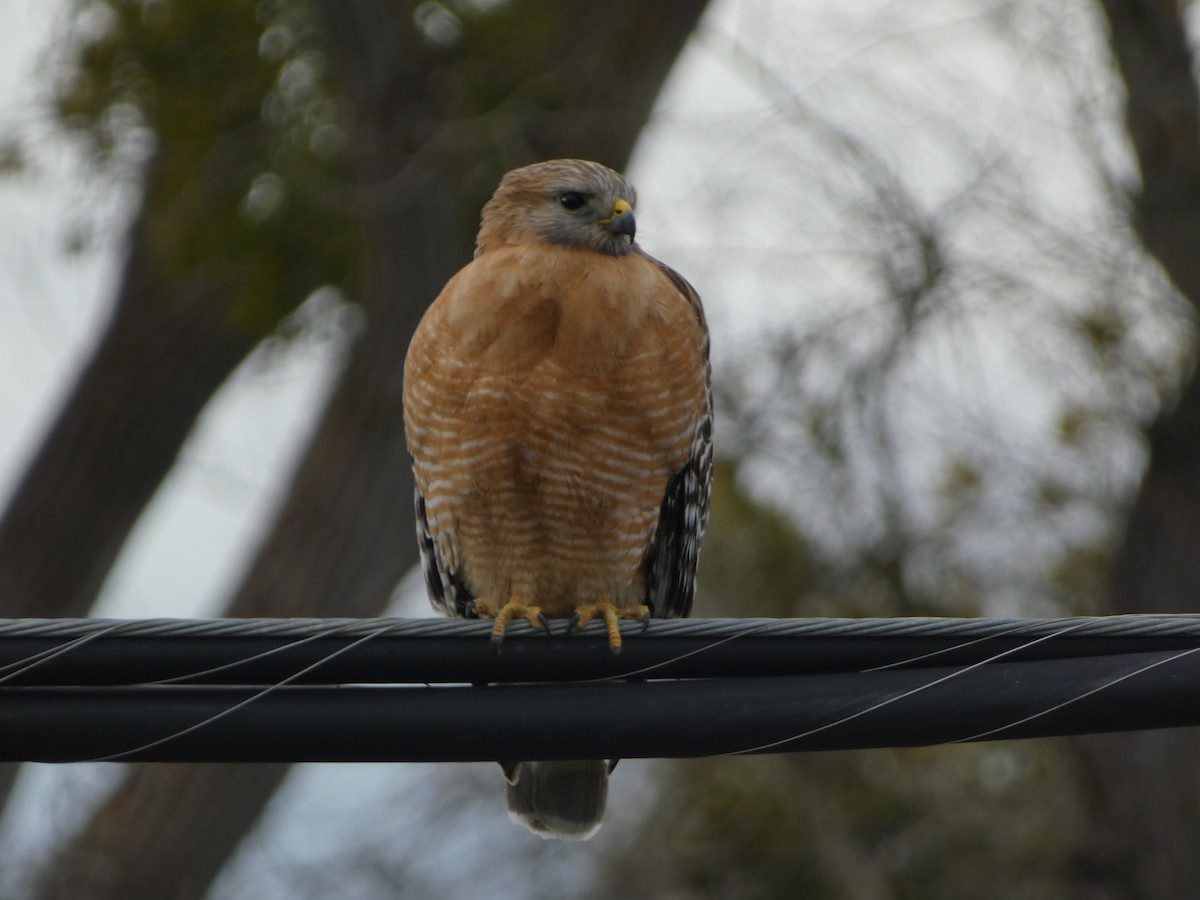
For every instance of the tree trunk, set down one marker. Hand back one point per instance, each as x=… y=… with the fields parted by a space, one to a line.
x=345 y=536
x=197 y=291
x=167 y=348
x=1143 y=790
x=165 y=351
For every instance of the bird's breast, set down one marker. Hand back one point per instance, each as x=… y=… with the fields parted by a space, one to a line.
x=547 y=408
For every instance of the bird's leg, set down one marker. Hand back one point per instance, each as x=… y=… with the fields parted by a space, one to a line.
x=612 y=615
x=515 y=608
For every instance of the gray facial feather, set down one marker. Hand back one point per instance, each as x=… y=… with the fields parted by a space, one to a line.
x=528 y=207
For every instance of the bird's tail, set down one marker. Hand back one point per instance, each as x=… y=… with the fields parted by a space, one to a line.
x=561 y=799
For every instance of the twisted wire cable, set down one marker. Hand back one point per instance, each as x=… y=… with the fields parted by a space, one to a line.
x=436 y=689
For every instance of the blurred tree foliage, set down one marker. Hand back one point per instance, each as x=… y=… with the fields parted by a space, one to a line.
x=1063 y=530
x=233 y=102
x=280 y=147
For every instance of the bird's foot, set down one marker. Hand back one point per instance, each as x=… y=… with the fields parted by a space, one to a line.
x=611 y=614
x=515 y=608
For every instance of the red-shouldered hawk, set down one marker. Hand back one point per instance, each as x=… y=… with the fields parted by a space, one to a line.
x=558 y=411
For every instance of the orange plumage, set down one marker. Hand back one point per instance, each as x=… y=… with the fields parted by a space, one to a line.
x=558 y=413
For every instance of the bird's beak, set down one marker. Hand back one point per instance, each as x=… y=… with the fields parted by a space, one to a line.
x=622 y=220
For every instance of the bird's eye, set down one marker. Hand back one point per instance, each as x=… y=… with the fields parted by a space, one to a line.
x=572 y=200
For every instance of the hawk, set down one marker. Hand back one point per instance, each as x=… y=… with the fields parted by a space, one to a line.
x=558 y=412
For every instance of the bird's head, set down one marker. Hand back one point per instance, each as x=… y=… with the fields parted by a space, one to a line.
x=571 y=202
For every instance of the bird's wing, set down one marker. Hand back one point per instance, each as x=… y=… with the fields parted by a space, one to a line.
x=674 y=551
x=447 y=588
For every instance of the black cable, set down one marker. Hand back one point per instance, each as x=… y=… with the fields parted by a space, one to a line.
x=282 y=689
x=611 y=720
x=267 y=651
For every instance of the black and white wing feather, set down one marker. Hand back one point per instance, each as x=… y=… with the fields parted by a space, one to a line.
x=673 y=555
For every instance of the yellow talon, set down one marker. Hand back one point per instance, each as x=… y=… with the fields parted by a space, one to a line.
x=612 y=615
x=515 y=608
